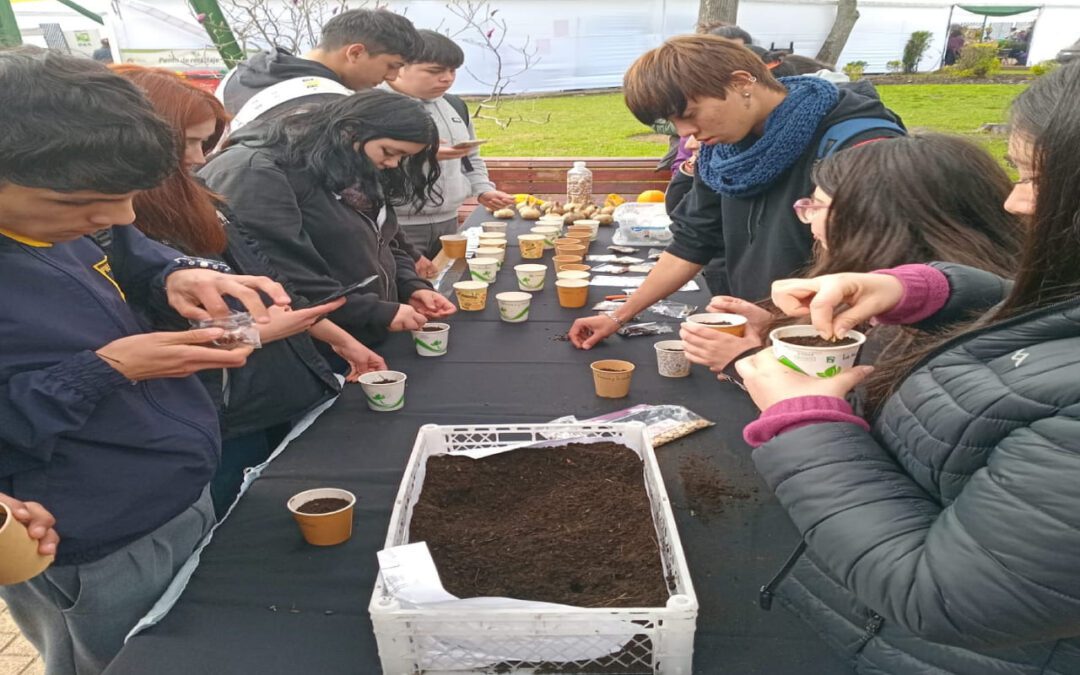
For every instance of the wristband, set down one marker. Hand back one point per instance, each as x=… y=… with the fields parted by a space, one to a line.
x=619 y=322
x=186 y=262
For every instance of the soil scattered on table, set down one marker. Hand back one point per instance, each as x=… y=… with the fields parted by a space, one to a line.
x=708 y=492
x=570 y=525
x=322 y=505
x=817 y=341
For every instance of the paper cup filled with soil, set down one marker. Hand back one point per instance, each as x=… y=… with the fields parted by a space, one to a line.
x=471 y=295
x=483 y=269
x=384 y=389
x=735 y=324
x=531 y=245
x=494 y=252
x=493 y=226
x=671 y=358
x=530 y=276
x=454 y=245
x=803 y=350
x=432 y=339
x=19 y=557
x=325 y=515
x=611 y=377
x=573 y=293
x=514 y=306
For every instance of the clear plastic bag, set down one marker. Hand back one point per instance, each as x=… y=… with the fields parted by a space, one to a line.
x=611 y=268
x=675 y=310
x=664 y=423
x=642 y=329
x=239 y=329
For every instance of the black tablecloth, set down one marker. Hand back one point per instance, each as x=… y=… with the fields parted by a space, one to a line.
x=262 y=601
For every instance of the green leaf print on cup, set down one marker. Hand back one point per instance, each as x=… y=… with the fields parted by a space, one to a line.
x=523 y=313
x=435 y=346
x=791 y=364
x=379 y=401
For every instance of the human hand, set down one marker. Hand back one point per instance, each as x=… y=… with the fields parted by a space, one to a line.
x=361 y=359
x=38 y=521
x=769 y=382
x=715 y=349
x=152 y=355
x=286 y=322
x=407 y=318
x=431 y=304
x=757 y=317
x=426 y=269
x=495 y=199
x=198 y=294
x=588 y=331
x=864 y=296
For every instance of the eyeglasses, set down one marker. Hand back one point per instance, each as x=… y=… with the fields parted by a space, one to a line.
x=806 y=208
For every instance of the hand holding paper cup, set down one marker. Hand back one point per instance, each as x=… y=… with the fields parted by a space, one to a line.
x=734 y=324
x=803 y=350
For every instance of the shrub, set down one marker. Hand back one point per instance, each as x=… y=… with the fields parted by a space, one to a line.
x=894 y=66
x=915 y=48
x=979 y=58
x=1040 y=69
x=854 y=69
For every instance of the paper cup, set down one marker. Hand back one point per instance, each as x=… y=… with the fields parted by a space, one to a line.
x=514 y=306
x=432 y=340
x=593 y=225
x=736 y=322
x=611 y=377
x=493 y=239
x=550 y=234
x=671 y=358
x=471 y=295
x=384 y=389
x=552 y=221
x=19 y=557
x=561 y=260
x=566 y=241
x=575 y=249
x=532 y=246
x=454 y=245
x=323 y=529
x=572 y=274
x=493 y=252
x=814 y=361
x=493 y=226
x=581 y=237
x=530 y=277
x=483 y=269
x=576 y=267
x=573 y=293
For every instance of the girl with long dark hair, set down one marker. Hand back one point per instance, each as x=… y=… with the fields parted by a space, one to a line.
x=317 y=190
x=946 y=536
x=902 y=200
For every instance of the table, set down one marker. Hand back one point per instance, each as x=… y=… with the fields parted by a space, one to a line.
x=264 y=602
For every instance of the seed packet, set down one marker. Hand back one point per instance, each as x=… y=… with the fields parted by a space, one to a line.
x=647 y=328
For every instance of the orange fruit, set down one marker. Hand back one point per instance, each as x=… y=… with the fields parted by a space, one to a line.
x=651 y=196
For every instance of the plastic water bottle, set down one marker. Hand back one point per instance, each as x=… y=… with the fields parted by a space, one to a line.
x=579 y=184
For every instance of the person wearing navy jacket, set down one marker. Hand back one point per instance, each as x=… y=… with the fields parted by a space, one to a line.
x=101 y=422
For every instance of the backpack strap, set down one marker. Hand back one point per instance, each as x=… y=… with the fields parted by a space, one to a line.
x=461 y=108
x=282 y=92
x=840 y=133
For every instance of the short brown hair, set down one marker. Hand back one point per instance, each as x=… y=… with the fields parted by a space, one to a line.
x=662 y=81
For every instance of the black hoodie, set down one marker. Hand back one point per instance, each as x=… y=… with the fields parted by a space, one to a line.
x=759 y=237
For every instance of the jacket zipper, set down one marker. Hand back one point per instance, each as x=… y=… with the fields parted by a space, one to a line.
x=384 y=276
x=750 y=221
x=766 y=592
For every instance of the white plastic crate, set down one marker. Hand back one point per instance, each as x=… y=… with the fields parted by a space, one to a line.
x=658 y=640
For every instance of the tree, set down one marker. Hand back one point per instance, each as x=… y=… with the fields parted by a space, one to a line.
x=847 y=13
x=711 y=11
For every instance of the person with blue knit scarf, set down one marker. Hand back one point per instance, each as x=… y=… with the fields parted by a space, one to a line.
x=760 y=137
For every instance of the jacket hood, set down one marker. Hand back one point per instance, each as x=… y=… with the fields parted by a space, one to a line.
x=267 y=68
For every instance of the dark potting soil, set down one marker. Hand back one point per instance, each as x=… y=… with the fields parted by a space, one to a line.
x=817 y=341
x=570 y=525
x=611 y=370
x=383 y=381
x=708 y=491
x=431 y=329
x=706 y=322
x=323 y=505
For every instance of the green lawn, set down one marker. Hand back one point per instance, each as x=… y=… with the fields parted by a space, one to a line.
x=599 y=125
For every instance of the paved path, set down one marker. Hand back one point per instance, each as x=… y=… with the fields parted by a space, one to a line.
x=17 y=656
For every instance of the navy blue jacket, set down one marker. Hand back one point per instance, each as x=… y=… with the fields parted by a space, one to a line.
x=110 y=459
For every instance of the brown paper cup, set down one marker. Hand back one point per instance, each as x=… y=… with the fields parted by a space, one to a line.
x=575 y=267
x=19 y=558
x=323 y=529
x=532 y=246
x=573 y=293
x=737 y=322
x=454 y=245
x=576 y=249
x=561 y=261
x=471 y=295
x=611 y=377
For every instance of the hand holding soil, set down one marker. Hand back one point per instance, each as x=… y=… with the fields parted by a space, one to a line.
x=863 y=296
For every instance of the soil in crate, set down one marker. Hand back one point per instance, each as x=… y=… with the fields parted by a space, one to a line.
x=571 y=525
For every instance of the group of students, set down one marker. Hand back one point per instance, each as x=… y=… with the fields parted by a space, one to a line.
x=933 y=493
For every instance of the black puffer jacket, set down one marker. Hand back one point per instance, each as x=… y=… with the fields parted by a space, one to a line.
x=948 y=539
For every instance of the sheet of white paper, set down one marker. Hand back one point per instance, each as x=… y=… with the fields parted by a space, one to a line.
x=626 y=282
x=620 y=259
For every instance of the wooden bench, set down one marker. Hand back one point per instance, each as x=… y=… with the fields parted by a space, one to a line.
x=546 y=177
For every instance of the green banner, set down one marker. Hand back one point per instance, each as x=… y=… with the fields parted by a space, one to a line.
x=993 y=10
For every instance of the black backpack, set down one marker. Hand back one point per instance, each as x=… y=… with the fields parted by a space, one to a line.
x=462 y=108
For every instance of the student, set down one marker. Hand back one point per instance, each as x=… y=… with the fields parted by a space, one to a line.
x=101 y=422
x=760 y=138
x=287 y=377
x=946 y=537
x=944 y=202
x=464 y=175
x=318 y=191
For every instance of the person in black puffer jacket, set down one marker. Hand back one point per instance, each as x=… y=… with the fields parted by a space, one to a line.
x=945 y=538
x=287 y=377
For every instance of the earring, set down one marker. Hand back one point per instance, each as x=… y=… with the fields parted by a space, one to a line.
x=746 y=100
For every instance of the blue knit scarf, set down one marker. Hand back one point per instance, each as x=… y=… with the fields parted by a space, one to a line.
x=740 y=171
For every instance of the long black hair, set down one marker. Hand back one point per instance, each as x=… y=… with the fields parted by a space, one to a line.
x=328 y=140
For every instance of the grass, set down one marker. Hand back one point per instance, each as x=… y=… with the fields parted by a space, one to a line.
x=599 y=125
